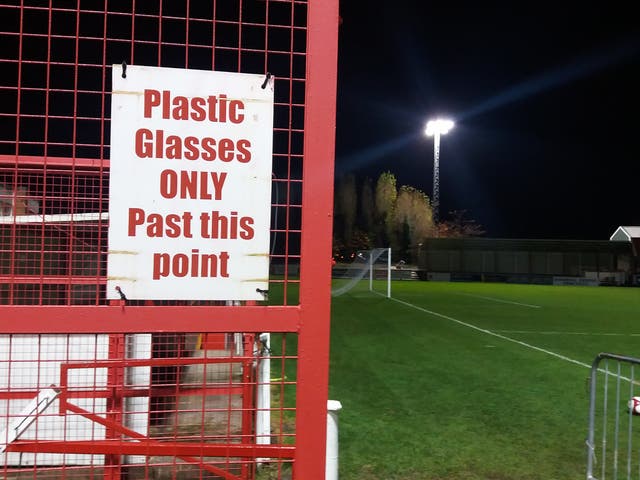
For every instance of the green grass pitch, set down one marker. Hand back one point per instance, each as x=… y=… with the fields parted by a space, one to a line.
x=471 y=380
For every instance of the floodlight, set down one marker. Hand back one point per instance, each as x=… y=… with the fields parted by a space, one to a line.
x=435 y=128
x=439 y=126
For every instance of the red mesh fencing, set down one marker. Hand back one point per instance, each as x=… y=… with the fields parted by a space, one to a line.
x=55 y=102
x=92 y=388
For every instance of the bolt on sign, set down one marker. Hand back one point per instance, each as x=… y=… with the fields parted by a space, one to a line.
x=190 y=184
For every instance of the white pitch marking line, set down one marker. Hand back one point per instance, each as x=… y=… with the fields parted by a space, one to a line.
x=500 y=300
x=604 y=334
x=494 y=334
x=503 y=337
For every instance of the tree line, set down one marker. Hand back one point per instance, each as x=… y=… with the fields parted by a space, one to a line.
x=368 y=215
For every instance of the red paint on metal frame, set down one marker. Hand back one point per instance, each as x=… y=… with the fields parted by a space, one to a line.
x=309 y=318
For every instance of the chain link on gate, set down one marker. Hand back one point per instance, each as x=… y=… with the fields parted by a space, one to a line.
x=614 y=404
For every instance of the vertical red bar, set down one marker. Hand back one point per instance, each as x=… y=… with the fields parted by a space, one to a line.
x=248 y=398
x=115 y=382
x=315 y=265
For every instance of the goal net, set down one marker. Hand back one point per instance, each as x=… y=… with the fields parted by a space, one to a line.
x=368 y=271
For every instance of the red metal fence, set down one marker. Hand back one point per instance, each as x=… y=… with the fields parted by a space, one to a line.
x=91 y=388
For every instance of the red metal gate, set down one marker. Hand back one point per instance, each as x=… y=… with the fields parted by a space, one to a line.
x=91 y=388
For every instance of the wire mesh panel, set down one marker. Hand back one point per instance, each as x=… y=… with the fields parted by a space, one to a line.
x=155 y=405
x=54 y=148
x=612 y=441
x=148 y=388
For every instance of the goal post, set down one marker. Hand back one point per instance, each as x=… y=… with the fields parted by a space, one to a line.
x=368 y=271
x=372 y=265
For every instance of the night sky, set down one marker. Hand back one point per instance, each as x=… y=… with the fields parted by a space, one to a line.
x=546 y=100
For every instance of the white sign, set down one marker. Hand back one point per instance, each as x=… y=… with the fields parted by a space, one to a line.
x=190 y=184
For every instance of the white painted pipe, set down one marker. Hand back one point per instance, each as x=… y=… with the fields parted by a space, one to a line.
x=331 y=468
x=263 y=413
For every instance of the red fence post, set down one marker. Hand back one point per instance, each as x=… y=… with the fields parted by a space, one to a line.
x=315 y=265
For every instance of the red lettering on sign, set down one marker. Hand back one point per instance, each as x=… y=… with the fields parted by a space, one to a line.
x=157 y=225
x=214 y=108
x=192 y=184
x=155 y=144
x=196 y=265
x=214 y=225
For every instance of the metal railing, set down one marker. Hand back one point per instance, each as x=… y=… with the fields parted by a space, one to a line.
x=611 y=452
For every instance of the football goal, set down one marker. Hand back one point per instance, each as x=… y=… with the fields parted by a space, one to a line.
x=368 y=271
